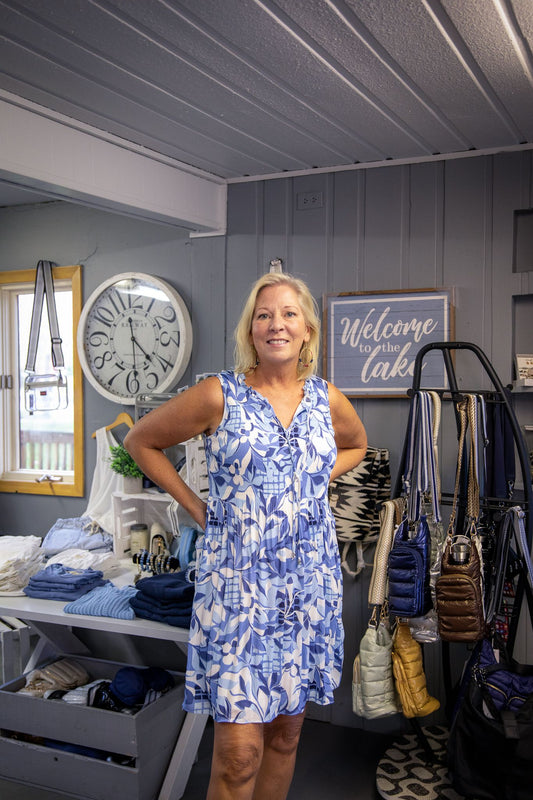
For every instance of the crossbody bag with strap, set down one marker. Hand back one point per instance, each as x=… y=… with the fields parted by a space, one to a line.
x=45 y=392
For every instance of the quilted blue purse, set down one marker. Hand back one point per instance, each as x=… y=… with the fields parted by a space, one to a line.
x=409 y=559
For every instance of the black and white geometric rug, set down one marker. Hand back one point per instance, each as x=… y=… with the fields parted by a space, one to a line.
x=406 y=773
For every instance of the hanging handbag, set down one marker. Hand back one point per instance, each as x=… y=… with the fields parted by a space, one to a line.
x=373 y=690
x=425 y=628
x=409 y=675
x=409 y=593
x=44 y=392
x=356 y=499
x=459 y=588
x=495 y=709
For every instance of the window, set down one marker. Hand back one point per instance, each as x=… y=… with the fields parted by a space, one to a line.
x=45 y=443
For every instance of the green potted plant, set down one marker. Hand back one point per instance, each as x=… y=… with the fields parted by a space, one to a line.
x=123 y=464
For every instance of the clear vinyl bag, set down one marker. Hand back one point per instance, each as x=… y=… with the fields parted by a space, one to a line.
x=45 y=392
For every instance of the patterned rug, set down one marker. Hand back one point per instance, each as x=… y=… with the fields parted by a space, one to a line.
x=406 y=773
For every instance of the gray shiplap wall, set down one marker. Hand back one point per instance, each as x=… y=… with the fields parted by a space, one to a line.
x=442 y=224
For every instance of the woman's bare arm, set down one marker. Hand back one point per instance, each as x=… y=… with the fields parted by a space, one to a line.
x=196 y=410
x=350 y=435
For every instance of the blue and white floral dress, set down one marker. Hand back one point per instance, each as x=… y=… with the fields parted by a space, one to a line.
x=266 y=632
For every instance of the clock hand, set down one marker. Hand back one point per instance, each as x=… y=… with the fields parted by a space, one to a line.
x=146 y=355
x=135 y=342
x=132 y=337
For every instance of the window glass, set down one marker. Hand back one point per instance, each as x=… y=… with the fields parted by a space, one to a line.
x=41 y=448
x=46 y=438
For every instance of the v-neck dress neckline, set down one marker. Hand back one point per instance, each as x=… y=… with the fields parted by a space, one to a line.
x=262 y=398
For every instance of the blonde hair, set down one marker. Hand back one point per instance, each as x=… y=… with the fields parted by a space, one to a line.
x=245 y=354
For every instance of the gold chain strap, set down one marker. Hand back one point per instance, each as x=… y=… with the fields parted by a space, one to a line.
x=467 y=409
x=473 y=482
x=461 y=408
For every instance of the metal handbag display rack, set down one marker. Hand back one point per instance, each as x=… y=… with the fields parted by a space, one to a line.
x=497 y=394
x=489 y=505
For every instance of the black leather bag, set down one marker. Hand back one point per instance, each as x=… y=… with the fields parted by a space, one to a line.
x=491 y=757
x=490 y=747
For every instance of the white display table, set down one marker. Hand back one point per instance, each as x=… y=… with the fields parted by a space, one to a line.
x=56 y=632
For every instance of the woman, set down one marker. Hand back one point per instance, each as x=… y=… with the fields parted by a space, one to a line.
x=266 y=633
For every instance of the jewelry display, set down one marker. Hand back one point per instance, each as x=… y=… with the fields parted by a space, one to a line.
x=156 y=563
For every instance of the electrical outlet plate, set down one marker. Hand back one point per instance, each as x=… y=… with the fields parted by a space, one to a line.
x=305 y=200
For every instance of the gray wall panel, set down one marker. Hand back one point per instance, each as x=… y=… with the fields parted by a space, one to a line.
x=465 y=262
x=277 y=221
x=509 y=173
x=311 y=234
x=442 y=224
x=383 y=230
x=343 y=269
x=425 y=232
x=244 y=252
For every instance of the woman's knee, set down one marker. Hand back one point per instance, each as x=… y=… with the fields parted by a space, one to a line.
x=283 y=734
x=237 y=764
x=236 y=760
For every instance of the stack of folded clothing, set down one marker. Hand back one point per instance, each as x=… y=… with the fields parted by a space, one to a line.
x=63 y=674
x=20 y=558
x=165 y=598
x=81 y=559
x=57 y=582
x=78 y=532
x=105 y=601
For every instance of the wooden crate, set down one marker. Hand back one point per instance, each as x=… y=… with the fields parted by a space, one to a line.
x=147 y=737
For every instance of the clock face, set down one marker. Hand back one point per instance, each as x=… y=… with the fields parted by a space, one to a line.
x=134 y=336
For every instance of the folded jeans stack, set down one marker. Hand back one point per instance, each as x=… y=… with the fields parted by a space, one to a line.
x=58 y=582
x=79 y=532
x=165 y=598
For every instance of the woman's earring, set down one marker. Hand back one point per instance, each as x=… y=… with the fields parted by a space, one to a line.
x=306 y=356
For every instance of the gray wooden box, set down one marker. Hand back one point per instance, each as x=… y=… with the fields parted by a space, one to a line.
x=148 y=736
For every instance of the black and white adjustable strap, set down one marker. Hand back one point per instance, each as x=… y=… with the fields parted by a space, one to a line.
x=44 y=284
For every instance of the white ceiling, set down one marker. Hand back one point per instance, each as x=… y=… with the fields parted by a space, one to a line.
x=259 y=87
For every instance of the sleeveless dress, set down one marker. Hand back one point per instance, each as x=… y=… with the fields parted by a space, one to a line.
x=266 y=632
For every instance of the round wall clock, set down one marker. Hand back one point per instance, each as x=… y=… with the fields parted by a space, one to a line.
x=134 y=336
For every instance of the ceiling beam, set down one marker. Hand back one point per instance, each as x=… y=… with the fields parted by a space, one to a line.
x=69 y=160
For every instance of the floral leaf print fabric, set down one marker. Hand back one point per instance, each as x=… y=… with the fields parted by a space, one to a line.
x=266 y=632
